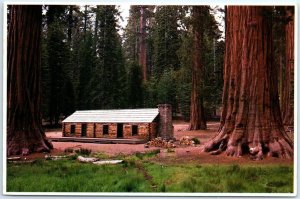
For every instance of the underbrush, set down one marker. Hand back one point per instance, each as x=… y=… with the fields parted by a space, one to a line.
x=138 y=174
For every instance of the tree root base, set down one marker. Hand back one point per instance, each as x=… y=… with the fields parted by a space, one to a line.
x=281 y=149
x=24 y=148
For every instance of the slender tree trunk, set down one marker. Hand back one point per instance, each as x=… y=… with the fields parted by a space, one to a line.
x=142 y=57
x=85 y=21
x=197 y=117
x=251 y=120
x=96 y=31
x=24 y=129
x=70 y=24
x=288 y=91
x=135 y=30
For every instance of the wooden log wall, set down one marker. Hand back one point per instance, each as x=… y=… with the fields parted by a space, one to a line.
x=153 y=130
x=95 y=130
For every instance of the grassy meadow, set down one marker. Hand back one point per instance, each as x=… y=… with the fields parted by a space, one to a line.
x=139 y=174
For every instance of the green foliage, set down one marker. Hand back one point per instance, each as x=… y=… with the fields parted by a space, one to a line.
x=83 y=151
x=196 y=140
x=166 y=91
x=184 y=76
x=85 y=70
x=170 y=150
x=131 y=35
x=134 y=84
x=147 y=154
x=67 y=97
x=100 y=155
x=61 y=91
x=166 y=39
x=212 y=77
x=150 y=92
x=87 y=65
x=212 y=64
x=109 y=92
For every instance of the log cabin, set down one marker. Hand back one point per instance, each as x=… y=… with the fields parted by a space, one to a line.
x=146 y=123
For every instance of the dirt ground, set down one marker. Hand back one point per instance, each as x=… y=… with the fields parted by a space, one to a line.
x=182 y=154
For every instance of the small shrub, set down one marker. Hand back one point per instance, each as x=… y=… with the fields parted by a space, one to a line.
x=139 y=155
x=69 y=150
x=154 y=152
x=129 y=162
x=196 y=140
x=120 y=156
x=147 y=154
x=170 y=150
x=73 y=157
x=83 y=151
x=100 y=155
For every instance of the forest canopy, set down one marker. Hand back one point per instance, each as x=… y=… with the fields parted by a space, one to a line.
x=89 y=61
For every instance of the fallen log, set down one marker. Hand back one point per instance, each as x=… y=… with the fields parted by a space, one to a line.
x=54 y=157
x=13 y=158
x=83 y=159
x=102 y=162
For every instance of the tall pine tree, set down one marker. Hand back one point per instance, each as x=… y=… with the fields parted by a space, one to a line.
x=108 y=80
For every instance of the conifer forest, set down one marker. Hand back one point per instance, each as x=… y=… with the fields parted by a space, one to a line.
x=233 y=64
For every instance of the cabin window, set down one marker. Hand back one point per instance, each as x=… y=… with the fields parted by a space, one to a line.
x=134 y=130
x=72 y=129
x=105 y=129
x=83 y=130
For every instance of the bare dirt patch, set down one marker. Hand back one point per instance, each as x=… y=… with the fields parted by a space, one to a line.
x=195 y=155
x=182 y=154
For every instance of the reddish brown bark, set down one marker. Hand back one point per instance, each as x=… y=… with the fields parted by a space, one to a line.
x=142 y=57
x=288 y=84
x=197 y=117
x=24 y=130
x=251 y=120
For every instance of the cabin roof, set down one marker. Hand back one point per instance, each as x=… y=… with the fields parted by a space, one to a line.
x=145 y=115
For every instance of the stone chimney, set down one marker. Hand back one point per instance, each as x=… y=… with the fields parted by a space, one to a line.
x=165 y=127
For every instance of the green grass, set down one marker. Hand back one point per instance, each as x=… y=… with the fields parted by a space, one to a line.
x=71 y=176
x=225 y=178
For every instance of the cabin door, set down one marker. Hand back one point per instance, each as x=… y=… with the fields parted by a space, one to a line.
x=72 y=130
x=119 y=130
x=83 y=130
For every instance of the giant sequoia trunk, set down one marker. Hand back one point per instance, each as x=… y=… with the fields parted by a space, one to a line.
x=197 y=117
x=288 y=84
x=251 y=120
x=24 y=130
